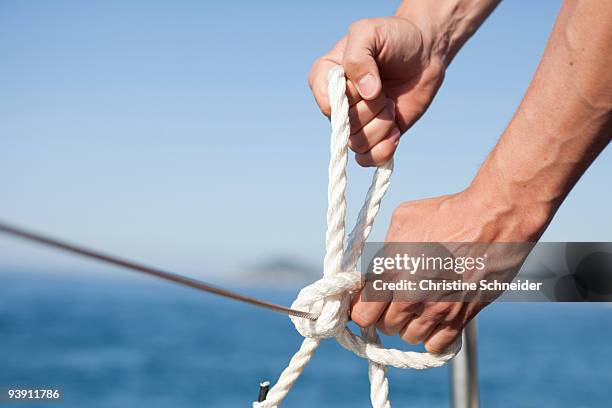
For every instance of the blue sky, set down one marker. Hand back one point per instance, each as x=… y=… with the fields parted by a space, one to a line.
x=183 y=134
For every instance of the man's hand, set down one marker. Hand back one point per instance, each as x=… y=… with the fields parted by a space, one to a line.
x=462 y=217
x=563 y=123
x=395 y=66
x=393 y=78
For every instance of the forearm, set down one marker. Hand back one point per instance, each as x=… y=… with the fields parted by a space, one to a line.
x=447 y=24
x=563 y=123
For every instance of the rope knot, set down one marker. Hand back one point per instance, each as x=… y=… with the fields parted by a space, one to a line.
x=330 y=299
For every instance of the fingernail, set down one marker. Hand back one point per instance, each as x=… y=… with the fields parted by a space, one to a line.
x=394 y=136
x=367 y=86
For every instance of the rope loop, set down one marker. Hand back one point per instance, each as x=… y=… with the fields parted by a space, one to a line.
x=330 y=297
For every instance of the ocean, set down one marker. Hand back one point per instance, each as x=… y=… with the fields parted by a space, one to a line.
x=142 y=343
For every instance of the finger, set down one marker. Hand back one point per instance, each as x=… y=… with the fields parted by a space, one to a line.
x=397 y=316
x=319 y=84
x=365 y=314
x=441 y=338
x=382 y=152
x=459 y=314
x=317 y=80
x=375 y=131
x=417 y=330
x=358 y=60
x=352 y=94
x=361 y=113
x=420 y=327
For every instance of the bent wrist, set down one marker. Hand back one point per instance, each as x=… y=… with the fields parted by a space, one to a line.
x=432 y=31
x=525 y=209
x=446 y=26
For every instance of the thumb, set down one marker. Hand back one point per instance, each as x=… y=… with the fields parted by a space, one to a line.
x=358 y=60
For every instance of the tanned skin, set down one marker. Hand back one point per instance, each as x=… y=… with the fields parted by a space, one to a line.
x=395 y=66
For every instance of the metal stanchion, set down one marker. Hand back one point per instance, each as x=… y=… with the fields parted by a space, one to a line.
x=264 y=387
x=464 y=371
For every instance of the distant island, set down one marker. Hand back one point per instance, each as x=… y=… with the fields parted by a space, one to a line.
x=280 y=271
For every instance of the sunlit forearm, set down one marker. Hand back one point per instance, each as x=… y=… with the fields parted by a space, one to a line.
x=564 y=121
x=449 y=23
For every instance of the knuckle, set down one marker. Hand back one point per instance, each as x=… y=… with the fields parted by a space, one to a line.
x=351 y=61
x=383 y=152
x=363 y=160
x=435 y=347
x=386 y=329
x=384 y=155
x=397 y=217
x=312 y=74
x=357 y=119
x=408 y=307
x=325 y=109
x=356 y=26
x=438 y=310
x=453 y=313
x=359 y=26
x=440 y=342
x=408 y=209
x=358 y=143
x=318 y=86
x=320 y=93
x=388 y=112
x=362 y=318
x=410 y=338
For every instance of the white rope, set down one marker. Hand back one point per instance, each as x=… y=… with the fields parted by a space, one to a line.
x=330 y=297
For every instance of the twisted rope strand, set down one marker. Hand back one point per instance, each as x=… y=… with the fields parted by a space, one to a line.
x=330 y=296
x=290 y=374
x=377 y=374
x=336 y=186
